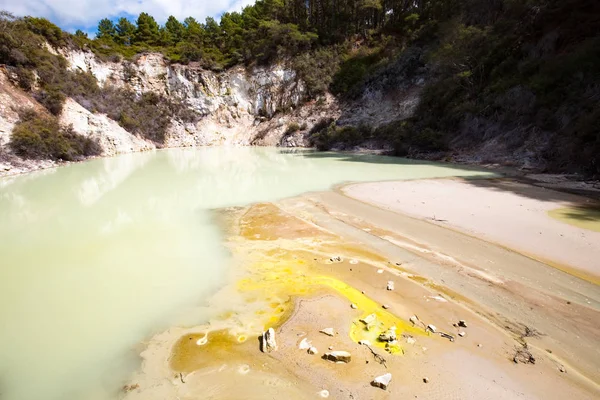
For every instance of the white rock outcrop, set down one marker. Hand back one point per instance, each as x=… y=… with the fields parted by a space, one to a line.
x=110 y=135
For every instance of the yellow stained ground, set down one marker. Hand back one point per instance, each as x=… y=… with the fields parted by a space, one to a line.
x=284 y=268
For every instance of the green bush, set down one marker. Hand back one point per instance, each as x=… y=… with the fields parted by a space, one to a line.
x=36 y=136
x=291 y=128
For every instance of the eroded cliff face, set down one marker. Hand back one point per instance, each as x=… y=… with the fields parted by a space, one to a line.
x=231 y=104
x=240 y=106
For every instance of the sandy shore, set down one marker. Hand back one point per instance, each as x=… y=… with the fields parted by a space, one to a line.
x=512 y=214
x=324 y=260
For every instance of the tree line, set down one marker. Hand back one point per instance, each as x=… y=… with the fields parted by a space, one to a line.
x=268 y=29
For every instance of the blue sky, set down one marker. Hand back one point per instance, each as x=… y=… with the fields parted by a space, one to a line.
x=85 y=14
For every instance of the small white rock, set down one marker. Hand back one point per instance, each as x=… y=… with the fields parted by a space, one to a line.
x=313 y=350
x=382 y=381
x=426 y=380
x=304 y=344
x=389 y=335
x=243 y=369
x=385 y=306
x=330 y=347
x=268 y=343
x=461 y=334
x=380 y=271
x=324 y=393
x=338 y=356
x=414 y=319
x=328 y=331
x=369 y=319
x=479 y=345
x=390 y=285
x=353 y=306
x=365 y=342
x=431 y=328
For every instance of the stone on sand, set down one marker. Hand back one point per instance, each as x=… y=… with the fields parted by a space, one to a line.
x=304 y=344
x=268 y=343
x=328 y=331
x=390 y=285
x=338 y=356
x=313 y=350
x=382 y=381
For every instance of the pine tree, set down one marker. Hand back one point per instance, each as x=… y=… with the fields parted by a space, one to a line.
x=175 y=29
x=106 y=29
x=147 y=30
x=125 y=32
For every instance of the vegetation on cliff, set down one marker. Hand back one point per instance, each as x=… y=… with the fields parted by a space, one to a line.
x=41 y=136
x=525 y=73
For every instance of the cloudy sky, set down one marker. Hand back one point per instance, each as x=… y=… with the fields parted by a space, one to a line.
x=85 y=14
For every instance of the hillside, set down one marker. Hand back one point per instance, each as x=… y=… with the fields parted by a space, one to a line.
x=507 y=82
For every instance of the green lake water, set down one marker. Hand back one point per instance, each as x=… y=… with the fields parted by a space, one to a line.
x=98 y=256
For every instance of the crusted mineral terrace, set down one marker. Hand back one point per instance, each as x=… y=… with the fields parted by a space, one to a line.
x=299 y=265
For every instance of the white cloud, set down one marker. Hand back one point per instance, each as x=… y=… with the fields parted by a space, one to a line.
x=86 y=13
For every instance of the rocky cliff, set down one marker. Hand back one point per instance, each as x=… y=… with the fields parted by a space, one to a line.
x=240 y=106
x=231 y=105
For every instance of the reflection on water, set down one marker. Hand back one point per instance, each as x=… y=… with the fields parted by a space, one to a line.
x=97 y=256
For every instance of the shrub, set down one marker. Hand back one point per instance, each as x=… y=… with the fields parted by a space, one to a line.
x=36 y=136
x=292 y=127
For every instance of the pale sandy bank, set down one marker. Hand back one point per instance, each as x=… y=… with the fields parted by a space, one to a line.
x=505 y=212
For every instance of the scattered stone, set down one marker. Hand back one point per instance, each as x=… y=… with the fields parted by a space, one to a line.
x=330 y=347
x=382 y=381
x=338 y=356
x=129 y=388
x=328 y=331
x=304 y=344
x=380 y=271
x=369 y=319
x=523 y=355
x=411 y=340
x=562 y=369
x=439 y=298
x=203 y=340
x=431 y=328
x=243 y=369
x=353 y=306
x=364 y=342
x=461 y=334
x=385 y=306
x=313 y=350
x=426 y=380
x=324 y=393
x=389 y=335
x=414 y=319
x=363 y=292
x=390 y=285
x=393 y=347
x=447 y=336
x=336 y=259
x=268 y=343
x=479 y=345
x=462 y=323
